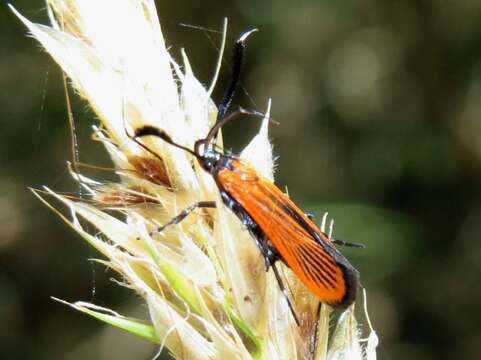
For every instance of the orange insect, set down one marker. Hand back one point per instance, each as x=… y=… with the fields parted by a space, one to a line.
x=282 y=231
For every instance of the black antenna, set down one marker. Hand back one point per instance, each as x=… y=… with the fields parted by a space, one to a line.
x=221 y=122
x=237 y=60
x=149 y=130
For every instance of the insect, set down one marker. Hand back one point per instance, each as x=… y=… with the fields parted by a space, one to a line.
x=282 y=231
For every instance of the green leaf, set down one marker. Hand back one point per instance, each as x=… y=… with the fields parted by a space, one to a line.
x=256 y=352
x=182 y=287
x=133 y=326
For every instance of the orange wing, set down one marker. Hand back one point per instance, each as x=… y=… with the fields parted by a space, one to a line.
x=295 y=238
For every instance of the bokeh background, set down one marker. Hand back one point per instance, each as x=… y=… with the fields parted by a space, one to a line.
x=379 y=104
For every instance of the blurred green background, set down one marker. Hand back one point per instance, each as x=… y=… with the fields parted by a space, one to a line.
x=379 y=104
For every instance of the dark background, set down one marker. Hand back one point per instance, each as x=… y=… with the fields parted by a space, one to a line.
x=379 y=104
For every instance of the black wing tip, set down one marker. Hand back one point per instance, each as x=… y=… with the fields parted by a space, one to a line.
x=351 y=280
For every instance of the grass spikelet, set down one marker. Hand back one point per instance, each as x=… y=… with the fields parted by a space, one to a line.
x=203 y=280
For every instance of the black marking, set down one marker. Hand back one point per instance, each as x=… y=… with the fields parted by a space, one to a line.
x=251 y=225
x=313 y=277
x=325 y=261
x=350 y=274
x=269 y=254
x=268 y=251
x=351 y=279
x=327 y=281
x=311 y=261
x=340 y=259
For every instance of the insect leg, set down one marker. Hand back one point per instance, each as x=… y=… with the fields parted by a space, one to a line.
x=284 y=291
x=348 y=243
x=269 y=256
x=315 y=336
x=338 y=241
x=184 y=213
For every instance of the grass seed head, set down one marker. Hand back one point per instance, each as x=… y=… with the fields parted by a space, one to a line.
x=203 y=280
